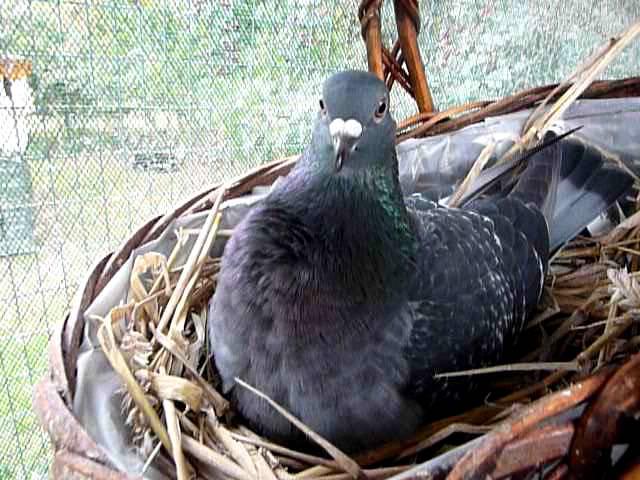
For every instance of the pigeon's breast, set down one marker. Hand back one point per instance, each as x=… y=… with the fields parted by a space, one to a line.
x=344 y=384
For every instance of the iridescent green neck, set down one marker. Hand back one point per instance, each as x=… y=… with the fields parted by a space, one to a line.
x=360 y=222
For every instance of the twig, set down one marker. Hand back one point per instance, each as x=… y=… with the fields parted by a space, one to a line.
x=119 y=364
x=213 y=459
x=604 y=339
x=514 y=367
x=371 y=474
x=152 y=456
x=219 y=403
x=344 y=461
x=479 y=459
x=192 y=262
x=303 y=457
x=235 y=449
x=587 y=76
x=441 y=435
x=478 y=165
x=175 y=435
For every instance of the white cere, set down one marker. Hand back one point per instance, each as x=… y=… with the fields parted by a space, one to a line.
x=349 y=129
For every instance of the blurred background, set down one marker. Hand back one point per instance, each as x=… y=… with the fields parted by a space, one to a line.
x=112 y=111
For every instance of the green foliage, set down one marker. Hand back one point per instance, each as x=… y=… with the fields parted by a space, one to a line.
x=4 y=471
x=104 y=58
x=60 y=97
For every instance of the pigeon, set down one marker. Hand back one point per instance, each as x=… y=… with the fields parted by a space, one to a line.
x=340 y=299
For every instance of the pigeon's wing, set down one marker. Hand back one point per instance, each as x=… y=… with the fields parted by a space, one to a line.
x=478 y=275
x=500 y=172
x=481 y=268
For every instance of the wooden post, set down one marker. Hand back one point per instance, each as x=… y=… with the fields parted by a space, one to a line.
x=407 y=20
x=369 y=15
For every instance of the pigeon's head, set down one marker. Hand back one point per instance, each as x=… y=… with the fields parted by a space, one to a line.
x=354 y=131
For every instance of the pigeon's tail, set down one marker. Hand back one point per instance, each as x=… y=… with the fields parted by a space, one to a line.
x=572 y=183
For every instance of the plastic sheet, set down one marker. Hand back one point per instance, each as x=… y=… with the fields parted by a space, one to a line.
x=434 y=166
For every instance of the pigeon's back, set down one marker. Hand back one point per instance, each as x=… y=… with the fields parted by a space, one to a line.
x=479 y=275
x=482 y=268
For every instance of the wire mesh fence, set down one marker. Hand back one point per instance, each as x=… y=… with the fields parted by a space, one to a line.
x=111 y=111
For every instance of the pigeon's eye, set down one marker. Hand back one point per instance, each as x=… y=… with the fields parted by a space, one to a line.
x=381 y=110
x=322 y=107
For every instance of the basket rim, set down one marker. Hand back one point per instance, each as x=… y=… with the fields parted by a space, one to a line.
x=457 y=117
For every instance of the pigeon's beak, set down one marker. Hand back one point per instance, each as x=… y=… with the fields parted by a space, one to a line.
x=344 y=136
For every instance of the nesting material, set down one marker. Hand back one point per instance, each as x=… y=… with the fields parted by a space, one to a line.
x=156 y=342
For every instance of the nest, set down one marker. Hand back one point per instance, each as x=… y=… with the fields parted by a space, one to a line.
x=571 y=396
